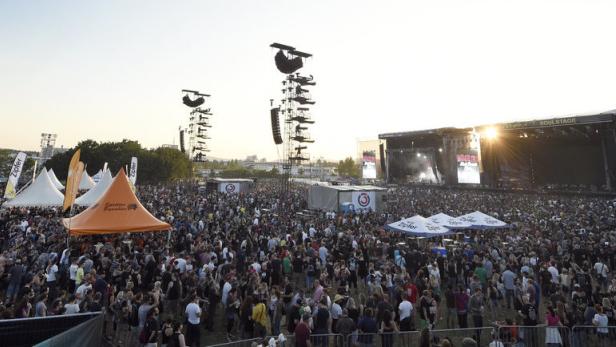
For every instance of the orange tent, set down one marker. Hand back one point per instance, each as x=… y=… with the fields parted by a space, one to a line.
x=117 y=211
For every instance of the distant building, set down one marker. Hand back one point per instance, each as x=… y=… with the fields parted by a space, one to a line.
x=170 y=146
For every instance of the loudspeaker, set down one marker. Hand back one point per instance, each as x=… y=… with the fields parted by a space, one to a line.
x=275 y=125
x=182 y=141
x=382 y=155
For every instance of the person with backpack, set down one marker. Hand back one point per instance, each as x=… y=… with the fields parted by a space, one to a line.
x=151 y=330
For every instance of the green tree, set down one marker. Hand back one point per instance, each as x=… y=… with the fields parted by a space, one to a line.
x=348 y=168
x=158 y=165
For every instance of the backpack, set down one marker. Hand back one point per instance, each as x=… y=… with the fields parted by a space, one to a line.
x=133 y=318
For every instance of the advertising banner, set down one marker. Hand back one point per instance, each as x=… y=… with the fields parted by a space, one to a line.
x=363 y=201
x=229 y=188
x=11 y=184
x=132 y=176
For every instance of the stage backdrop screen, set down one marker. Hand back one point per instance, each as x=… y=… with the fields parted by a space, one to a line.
x=468 y=169
x=368 y=167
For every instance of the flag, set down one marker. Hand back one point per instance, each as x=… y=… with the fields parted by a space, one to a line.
x=72 y=180
x=133 y=170
x=132 y=174
x=105 y=167
x=11 y=184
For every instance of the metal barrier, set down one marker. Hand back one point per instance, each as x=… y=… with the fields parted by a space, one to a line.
x=533 y=336
x=30 y=331
x=593 y=336
x=482 y=335
x=88 y=333
x=510 y=336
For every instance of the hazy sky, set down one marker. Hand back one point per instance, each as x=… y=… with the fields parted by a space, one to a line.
x=109 y=70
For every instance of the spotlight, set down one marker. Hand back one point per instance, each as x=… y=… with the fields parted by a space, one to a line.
x=440 y=150
x=418 y=155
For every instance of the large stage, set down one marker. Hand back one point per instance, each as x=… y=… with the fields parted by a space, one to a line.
x=575 y=151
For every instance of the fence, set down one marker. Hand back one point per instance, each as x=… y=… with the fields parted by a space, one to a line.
x=509 y=336
x=30 y=331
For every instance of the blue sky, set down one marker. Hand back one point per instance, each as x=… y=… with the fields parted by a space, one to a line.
x=110 y=70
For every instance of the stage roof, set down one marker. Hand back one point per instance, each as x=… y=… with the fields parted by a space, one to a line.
x=604 y=117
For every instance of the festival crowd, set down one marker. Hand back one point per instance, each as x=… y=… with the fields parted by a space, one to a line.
x=257 y=265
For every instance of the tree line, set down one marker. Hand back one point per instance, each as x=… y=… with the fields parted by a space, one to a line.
x=154 y=165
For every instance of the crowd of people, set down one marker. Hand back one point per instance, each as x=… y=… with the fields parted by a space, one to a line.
x=257 y=265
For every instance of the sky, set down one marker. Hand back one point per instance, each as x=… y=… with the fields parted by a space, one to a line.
x=109 y=70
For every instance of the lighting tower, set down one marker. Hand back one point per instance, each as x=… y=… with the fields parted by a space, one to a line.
x=198 y=125
x=48 y=144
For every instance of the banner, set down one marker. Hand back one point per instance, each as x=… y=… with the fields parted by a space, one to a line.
x=363 y=201
x=72 y=180
x=105 y=167
x=132 y=175
x=229 y=188
x=11 y=184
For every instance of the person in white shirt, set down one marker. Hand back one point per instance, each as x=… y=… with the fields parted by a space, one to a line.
x=82 y=291
x=193 y=317
x=180 y=264
x=405 y=310
x=71 y=307
x=601 y=270
x=72 y=271
x=226 y=288
x=600 y=320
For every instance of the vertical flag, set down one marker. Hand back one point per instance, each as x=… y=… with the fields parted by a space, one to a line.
x=133 y=170
x=105 y=167
x=34 y=171
x=132 y=174
x=11 y=184
x=72 y=180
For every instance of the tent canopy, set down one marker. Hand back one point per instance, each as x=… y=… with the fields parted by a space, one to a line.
x=418 y=226
x=54 y=179
x=41 y=193
x=86 y=182
x=449 y=221
x=92 y=195
x=117 y=211
x=480 y=220
x=98 y=176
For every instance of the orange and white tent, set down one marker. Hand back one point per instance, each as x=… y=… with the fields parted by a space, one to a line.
x=117 y=211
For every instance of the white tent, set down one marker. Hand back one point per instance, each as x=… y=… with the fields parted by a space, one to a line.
x=449 y=221
x=99 y=175
x=418 y=226
x=86 y=182
x=54 y=179
x=95 y=193
x=41 y=193
x=480 y=220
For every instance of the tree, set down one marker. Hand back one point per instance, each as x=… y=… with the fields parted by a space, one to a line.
x=158 y=165
x=348 y=168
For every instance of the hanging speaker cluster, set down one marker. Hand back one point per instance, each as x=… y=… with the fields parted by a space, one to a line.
x=276 y=126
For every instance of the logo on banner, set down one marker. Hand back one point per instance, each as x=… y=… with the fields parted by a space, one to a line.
x=230 y=188
x=363 y=199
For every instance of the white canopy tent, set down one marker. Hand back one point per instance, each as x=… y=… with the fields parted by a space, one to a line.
x=97 y=178
x=449 y=221
x=418 y=226
x=55 y=180
x=479 y=220
x=86 y=182
x=41 y=193
x=90 y=197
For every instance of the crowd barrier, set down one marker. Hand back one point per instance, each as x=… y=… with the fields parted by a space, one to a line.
x=88 y=333
x=509 y=336
x=31 y=331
